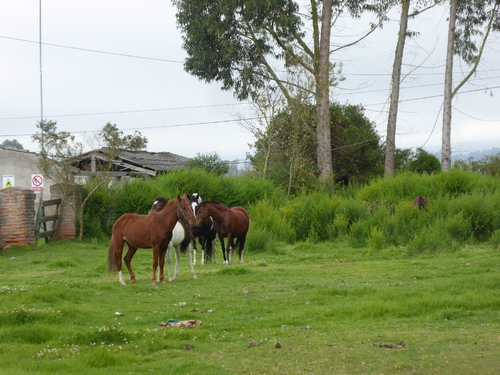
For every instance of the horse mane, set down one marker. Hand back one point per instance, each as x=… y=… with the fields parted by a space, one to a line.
x=212 y=202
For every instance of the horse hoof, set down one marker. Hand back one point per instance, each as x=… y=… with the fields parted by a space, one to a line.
x=194 y=277
x=123 y=283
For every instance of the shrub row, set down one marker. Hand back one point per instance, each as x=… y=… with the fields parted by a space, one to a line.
x=463 y=208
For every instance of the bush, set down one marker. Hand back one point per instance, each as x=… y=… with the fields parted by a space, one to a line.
x=259 y=240
x=377 y=238
x=455 y=183
x=462 y=206
x=272 y=220
x=495 y=239
x=431 y=240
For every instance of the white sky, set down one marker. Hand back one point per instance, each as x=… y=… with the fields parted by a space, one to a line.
x=84 y=89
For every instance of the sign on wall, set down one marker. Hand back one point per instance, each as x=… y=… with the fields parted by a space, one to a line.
x=37 y=183
x=8 y=181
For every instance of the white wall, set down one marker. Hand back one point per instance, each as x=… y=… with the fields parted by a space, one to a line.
x=22 y=165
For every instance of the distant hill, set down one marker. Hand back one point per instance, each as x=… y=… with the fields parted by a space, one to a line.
x=465 y=155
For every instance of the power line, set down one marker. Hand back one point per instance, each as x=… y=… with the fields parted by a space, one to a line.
x=150 y=127
x=94 y=50
x=123 y=112
x=182 y=62
x=434 y=96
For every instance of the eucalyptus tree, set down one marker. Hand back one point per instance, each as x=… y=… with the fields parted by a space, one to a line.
x=470 y=24
x=247 y=45
x=419 y=7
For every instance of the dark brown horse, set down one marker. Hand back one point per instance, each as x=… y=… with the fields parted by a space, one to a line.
x=232 y=223
x=145 y=232
x=205 y=233
x=420 y=202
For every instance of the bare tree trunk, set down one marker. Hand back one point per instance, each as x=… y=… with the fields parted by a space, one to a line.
x=324 y=151
x=448 y=81
x=396 y=80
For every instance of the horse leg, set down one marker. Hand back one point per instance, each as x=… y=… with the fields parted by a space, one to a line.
x=128 y=260
x=213 y=249
x=177 y=260
x=194 y=252
x=169 y=261
x=115 y=257
x=204 y=254
x=156 y=258
x=193 y=272
x=241 y=247
x=230 y=248
x=162 y=264
x=223 y=249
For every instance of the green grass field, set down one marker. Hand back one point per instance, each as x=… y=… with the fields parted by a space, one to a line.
x=303 y=309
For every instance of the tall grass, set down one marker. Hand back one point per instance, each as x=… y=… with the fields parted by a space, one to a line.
x=463 y=207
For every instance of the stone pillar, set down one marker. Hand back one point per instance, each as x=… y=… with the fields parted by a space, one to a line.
x=17 y=217
x=68 y=216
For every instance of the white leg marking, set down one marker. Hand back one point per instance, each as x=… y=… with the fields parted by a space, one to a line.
x=120 y=278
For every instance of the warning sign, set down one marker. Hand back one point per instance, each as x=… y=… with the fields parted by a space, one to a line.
x=37 y=182
x=8 y=181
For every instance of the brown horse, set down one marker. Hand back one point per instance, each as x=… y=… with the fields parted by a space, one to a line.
x=420 y=202
x=145 y=232
x=180 y=242
x=231 y=223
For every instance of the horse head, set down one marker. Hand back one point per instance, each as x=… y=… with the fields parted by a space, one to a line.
x=202 y=213
x=185 y=211
x=159 y=204
x=195 y=200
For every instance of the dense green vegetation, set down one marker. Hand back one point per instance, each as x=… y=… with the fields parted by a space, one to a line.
x=463 y=209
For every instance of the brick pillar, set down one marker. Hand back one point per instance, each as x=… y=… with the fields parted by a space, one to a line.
x=70 y=203
x=17 y=217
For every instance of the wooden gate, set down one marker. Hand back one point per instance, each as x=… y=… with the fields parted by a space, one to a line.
x=41 y=228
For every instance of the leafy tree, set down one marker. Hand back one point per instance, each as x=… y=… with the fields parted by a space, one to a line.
x=489 y=164
x=114 y=138
x=248 y=45
x=424 y=162
x=14 y=144
x=402 y=157
x=357 y=153
x=265 y=107
x=211 y=162
x=356 y=156
x=59 y=150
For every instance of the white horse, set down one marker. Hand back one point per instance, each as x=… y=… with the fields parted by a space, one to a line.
x=180 y=242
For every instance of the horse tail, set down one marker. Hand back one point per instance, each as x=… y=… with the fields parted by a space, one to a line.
x=184 y=246
x=112 y=266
